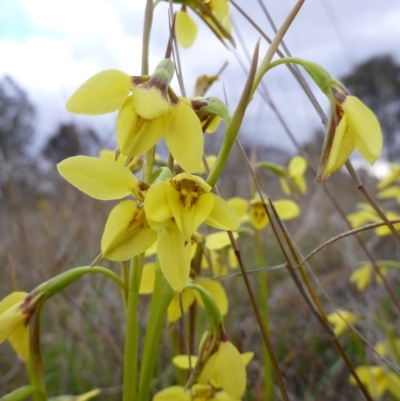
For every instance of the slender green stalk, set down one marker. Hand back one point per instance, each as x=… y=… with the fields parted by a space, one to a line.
x=131 y=337
x=263 y=302
x=148 y=20
x=35 y=364
x=162 y=296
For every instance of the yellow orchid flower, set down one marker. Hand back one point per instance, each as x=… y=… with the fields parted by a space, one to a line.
x=148 y=110
x=352 y=125
x=127 y=232
x=176 y=208
x=377 y=380
x=338 y=320
x=225 y=369
x=362 y=276
x=14 y=323
x=286 y=210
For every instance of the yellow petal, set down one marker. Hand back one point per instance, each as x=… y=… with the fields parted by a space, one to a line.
x=189 y=217
x=209 y=369
x=362 y=277
x=185 y=29
x=173 y=393
x=174 y=308
x=126 y=233
x=87 y=396
x=134 y=165
x=219 y=240
x=182 y=361
x=174 y=255
x=233 y=262
x=148 y=277
x=103 y=93
x=184 y=137
x=156 y=203
x=362 y=121
x=150 y=103
x=344 y=142
x=339 y=318
x=99 y=178
x=285 y=185
x=390 y=192
x=297 y=166
x=11 y=316
x=238 y=205
x=373 y=377
x=217 y=292
x=286 y=209
x=300 y=183
x=136 y=135
x=231 y=370
x=19 y=340
x=247 y=357
x=222 y=216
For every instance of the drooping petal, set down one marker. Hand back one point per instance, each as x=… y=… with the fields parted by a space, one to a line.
x=19 y=340
x=174 y=308
x=222 y=216
x=126 y=233
x=231 y=370
x=103 y=93
x=99 y=178
x=339 y=318
x=362 y=277
x=150 y=103
x=209 y=369
x=343 y=144
x=285 y=185
x=184 y=137
x=217 y=292
x=238 y=205
x=174 y=255
x=362 y=121
x=156 y=203
x=148 y=278
x=135 y=134
x=189 y=217
x=185 y=29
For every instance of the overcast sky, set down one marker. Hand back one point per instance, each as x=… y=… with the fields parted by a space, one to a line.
x=50 y=47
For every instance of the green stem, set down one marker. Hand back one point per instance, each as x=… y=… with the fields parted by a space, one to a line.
x=148 y=20
x=162 y=296
x=263 y=300
x=131 y=336
x=35 y=365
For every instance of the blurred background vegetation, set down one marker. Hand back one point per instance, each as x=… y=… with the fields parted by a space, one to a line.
x=47 y=227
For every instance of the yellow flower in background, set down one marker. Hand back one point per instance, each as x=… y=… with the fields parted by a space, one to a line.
x=389 y=348
x=367 y=214
x=126 y=232
x=176 y=208
x=210 y=162
x=14 y=323
x=286 y=210
x=338 y=320
x=391 y=178
x=377 y=380
x=352 y=125
x=392 y=192
x=362 y=276
x=295 y=175
x=148 y=110
x=186 y=28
